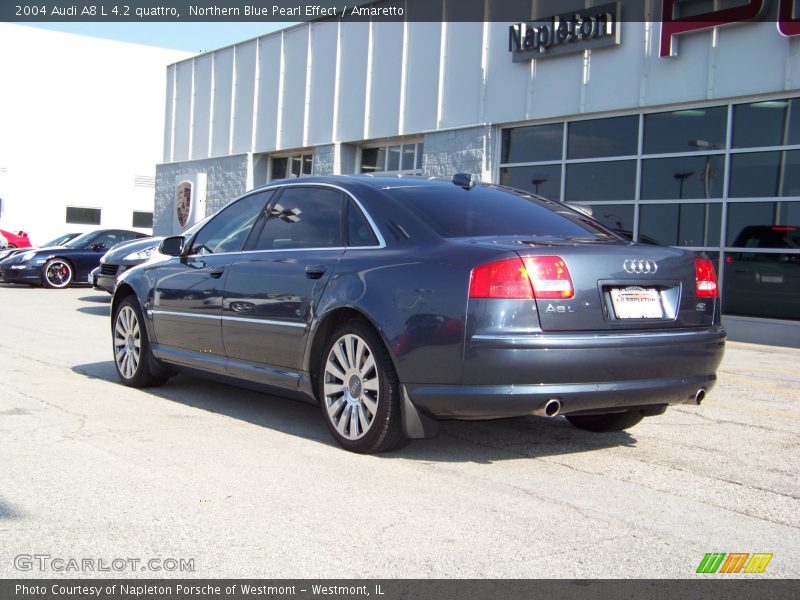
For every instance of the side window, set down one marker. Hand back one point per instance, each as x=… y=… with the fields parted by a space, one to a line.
x=228 y=230
x=110 y=238
x=303 y=217
x=359 y=233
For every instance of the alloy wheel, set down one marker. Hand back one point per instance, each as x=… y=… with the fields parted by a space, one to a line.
x=127 y=342
x=351 y=386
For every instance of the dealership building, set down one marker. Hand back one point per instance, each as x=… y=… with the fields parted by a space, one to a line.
x=672 y=130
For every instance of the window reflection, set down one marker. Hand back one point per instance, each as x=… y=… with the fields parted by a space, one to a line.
x=614 y=180
x=617 y=136
x=694 y=225
x=764 y=225
x=759 y=174
x=617 y=217
x=686 y=130
x=766 y=123
x=544 y=180
x=682 y=177
x=534 y=143
x=762 y=284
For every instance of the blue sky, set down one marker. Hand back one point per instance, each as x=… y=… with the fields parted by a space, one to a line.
x=191 y=36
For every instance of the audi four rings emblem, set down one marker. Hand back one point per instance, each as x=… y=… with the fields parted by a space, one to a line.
x=647 y=267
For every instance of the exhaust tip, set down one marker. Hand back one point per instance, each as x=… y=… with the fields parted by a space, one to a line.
x=552 y=407
x=699 y=396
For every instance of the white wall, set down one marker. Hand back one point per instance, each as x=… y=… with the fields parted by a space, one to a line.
x=453 y=75
x=79 y=118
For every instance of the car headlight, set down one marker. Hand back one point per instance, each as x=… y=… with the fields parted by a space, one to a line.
x=28 y=255
x=142 y=254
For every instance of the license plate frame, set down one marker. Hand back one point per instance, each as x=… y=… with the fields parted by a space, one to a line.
x=634 y=302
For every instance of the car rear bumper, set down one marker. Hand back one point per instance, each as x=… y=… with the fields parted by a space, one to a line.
x=508 y=376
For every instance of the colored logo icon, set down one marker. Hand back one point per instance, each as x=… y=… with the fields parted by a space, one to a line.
x=734 y=562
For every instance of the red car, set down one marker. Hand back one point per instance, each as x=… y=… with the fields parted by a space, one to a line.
x=16 y=240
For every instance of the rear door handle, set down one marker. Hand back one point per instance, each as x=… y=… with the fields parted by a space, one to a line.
x=216 y=272
x=315 y=271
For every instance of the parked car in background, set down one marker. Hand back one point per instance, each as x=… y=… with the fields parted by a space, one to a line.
x=17 y=239
x=119 y=259
x=54 y=242
x=60 y=266
x=395 y=302
x=772 y=272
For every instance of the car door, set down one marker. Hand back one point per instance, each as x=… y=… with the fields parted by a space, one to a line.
x=273 y=288
x=95 y=250
x=187 y=301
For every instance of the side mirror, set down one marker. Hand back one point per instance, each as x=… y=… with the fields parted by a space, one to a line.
x=98 y=247
x=172 y=246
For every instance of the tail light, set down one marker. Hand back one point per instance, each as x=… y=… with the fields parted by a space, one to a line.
x=705 y=278
x=544 y=277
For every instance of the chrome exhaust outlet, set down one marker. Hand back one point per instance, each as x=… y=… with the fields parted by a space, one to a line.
x=699 y=396
x=551 y=408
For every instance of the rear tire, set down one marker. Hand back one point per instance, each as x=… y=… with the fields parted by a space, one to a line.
x=57 y=273
x=606 y=423
x=131 y=347
x=359 y=392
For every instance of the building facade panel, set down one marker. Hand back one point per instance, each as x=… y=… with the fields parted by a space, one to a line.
x=507 y=83
x=386 y=74
x=223 y=102
x=182 y=128
x=269 y=72
x=422 y=77
x=353 y=65
x=462 y=89
x=293 y=88
x=201 y=113
x=244 y=100
x=324 y=56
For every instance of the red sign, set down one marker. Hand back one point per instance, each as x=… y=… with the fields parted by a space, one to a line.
x=672 y=26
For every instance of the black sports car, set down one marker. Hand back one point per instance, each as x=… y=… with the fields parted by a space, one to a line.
x=394 y=302
x=54 y=242
x=59 y=266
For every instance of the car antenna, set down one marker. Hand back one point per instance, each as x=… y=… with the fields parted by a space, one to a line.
x=464 y=180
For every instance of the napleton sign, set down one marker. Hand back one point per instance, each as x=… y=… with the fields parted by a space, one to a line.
x=673 y=25
x=595 y=27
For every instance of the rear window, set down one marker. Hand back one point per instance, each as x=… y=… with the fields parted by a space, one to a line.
x=489 y=211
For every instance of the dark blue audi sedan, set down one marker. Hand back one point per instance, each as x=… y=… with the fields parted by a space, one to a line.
x=60 y=266
x=394 y=303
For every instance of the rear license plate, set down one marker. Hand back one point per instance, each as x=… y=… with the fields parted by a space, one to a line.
x=634 y=302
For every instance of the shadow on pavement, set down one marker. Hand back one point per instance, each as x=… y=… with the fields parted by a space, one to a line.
x=103 y=299
x=458 y=441
x=102 y=311
x=7 y=511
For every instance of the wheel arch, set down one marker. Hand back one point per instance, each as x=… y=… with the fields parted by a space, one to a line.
x=322 y=331
x=123 y=291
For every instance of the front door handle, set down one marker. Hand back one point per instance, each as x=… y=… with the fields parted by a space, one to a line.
x=315 y=271
x=216 y=272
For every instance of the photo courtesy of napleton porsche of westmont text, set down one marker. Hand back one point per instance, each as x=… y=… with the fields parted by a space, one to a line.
x=399 y=299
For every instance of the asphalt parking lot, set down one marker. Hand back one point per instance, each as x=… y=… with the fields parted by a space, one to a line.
x=249 y=485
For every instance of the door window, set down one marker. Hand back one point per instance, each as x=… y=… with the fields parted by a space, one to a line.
x=228 y=231
x=303 y=217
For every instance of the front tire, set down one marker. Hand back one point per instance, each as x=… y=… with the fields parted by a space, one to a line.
x=359 y=392
x=606 y=423
x=57 y=273
x=132 y=355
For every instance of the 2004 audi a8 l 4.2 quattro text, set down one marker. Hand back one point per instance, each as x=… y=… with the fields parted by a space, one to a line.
x=397 y=302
